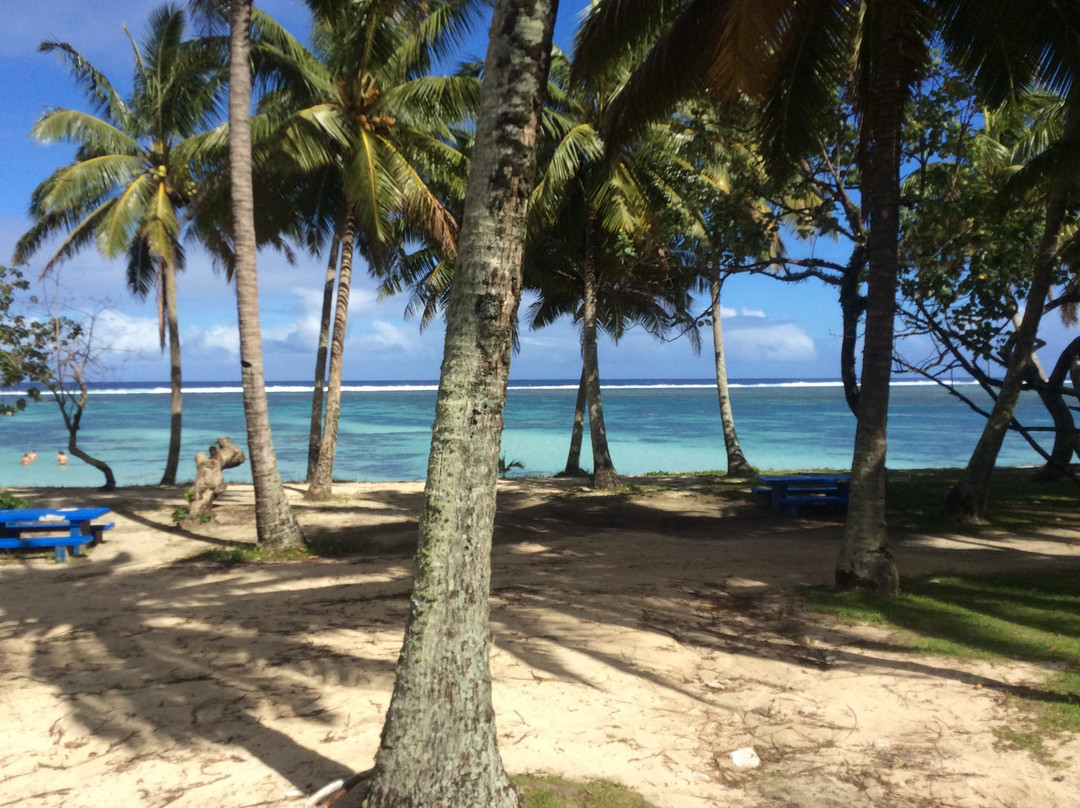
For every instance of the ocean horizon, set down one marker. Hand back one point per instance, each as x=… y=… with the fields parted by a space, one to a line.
x=653 y=425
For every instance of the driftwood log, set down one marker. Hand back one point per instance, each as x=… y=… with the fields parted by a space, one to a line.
x=209 y=480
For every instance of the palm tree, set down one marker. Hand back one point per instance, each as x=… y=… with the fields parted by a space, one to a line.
x=790 y=55
x=599 y=231
x=737 y=464
x=439 y=742
x=362 y=106
x=133 y=173
x=275 y=524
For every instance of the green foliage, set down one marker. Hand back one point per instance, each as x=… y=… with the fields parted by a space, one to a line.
x=608 y=221
x=1028 y=616
x=182 y=514
x=968 y=253
x=9 y=501
x=23 y=342
x=357 y=126
x=505 y=468
x=135 y=158
x=549 y=791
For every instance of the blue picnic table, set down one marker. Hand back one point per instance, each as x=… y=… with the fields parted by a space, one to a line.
x=788 y=492
x=59 y=528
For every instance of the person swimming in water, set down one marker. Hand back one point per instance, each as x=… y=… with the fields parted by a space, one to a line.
x=61 y=458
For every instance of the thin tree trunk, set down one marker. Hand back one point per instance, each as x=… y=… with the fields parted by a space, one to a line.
x=573 y=457
x=321 y=486
x=969 y=498
x=275 y=525
x=737 y=464
x=168 y=280
x=317 y=391
x=604 y=474
x=1050 y=391
x=851 y=306
x=72 y=422
x=865 y=561
x=439 y=744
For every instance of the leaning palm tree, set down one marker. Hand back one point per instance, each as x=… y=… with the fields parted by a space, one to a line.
x=789 y=56
x=362 y=105
x=275 y=523
x=133 y=173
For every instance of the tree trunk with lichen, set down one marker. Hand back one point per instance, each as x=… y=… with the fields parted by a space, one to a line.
x=439 y=744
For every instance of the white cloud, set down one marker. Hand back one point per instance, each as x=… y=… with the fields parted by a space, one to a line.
x=218 y=337
x=122 y=333
x=784 y=342
x=752 y=312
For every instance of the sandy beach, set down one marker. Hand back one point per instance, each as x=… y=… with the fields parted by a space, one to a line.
x=640 y=637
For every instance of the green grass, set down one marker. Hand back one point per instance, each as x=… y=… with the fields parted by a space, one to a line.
x=9 y=501
x=1019 y=500
x=244 y=554
x=548 y=791
x=1032 y=617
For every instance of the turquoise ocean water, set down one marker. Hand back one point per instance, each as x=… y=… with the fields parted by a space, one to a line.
x=386 y=428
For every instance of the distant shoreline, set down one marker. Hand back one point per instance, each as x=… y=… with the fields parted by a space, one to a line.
x=379 y=386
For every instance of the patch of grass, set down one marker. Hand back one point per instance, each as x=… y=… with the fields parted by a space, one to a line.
x=9 y=501
x=1032 y=617
x=1019 y=499
x=549 y=791
x=1029 y=741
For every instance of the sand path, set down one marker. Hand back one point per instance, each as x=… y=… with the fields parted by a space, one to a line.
x=639 y=637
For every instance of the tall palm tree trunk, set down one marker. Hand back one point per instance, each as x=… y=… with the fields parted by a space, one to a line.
x=969 y=497
x=317 y=391
x=573 y=457
x=865 y=561
x=737 y=464
x=168 y=280
x=439 y=744
x=322 y=481
x=275 y=525
x=604 y=474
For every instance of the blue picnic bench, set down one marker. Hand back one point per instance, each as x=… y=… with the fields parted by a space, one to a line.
x=59 y=528
x=788 y=492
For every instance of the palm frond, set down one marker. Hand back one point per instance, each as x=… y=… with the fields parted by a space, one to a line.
x=124 y=217
x=431 y=103
x=373 y=192
x=72 y=126
x=103 y=97
x=84 y=183
x=809 y=59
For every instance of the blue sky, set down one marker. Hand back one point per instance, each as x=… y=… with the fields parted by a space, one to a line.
x=772 y=330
